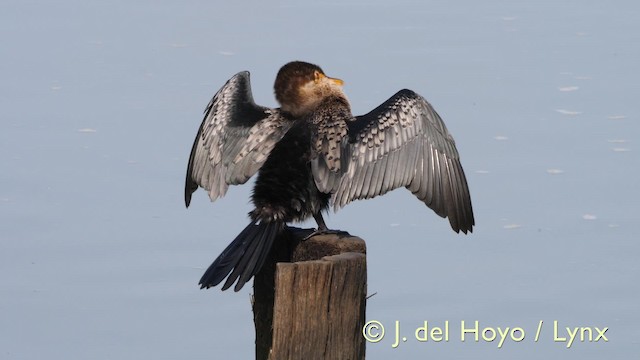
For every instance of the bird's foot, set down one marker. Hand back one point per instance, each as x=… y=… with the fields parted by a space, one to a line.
x=325 y=231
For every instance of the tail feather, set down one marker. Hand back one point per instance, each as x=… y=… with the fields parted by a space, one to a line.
x=247 y=264
x=277 y=230
x=244 y=257
x=227 y=260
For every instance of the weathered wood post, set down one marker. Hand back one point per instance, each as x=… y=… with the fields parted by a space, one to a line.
x=310 y=298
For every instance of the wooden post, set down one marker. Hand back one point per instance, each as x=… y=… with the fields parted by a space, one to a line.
x=310 y=298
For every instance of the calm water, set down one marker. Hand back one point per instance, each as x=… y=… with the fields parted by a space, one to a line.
x=99 y=105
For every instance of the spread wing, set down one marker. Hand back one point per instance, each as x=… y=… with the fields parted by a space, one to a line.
x=234 y=140
x=403 y=142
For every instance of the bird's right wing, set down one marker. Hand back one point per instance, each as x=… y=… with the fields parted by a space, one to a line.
x=234 y=139
x=401 y=143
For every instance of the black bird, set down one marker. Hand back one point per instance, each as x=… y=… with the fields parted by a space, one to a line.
x=312 y=153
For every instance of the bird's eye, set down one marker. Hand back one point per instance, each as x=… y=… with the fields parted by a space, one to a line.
x=317 y=76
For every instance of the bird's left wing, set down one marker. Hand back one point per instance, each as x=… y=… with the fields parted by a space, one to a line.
x=234 y=139
x=401 y=143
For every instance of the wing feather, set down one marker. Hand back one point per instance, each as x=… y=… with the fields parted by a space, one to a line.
x=234 y=140
x=401 y=143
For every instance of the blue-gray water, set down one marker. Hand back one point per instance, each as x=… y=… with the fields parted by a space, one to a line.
x=99 y=104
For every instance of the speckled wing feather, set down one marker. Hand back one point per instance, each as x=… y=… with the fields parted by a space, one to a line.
x=330 y=143
x=234 y=140
x=401 y=143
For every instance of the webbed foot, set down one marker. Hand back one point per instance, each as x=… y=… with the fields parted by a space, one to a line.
x=325 y=231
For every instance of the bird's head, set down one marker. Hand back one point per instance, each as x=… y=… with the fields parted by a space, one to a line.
x=300 y=87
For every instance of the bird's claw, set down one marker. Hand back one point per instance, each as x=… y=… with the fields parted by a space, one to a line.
x=324 y=232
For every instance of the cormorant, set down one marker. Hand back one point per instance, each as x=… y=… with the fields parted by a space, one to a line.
x=312 y=153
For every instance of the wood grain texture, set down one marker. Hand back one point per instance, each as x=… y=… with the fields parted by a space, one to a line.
x=317 y=303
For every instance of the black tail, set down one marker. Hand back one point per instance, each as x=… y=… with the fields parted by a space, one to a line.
x=245 y=256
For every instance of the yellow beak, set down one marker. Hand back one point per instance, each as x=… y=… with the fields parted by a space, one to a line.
x=336 y=81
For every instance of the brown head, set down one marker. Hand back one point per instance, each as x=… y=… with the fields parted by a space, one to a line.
x=301 y=86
